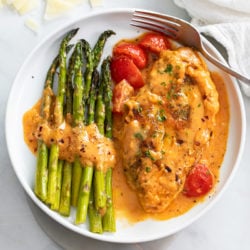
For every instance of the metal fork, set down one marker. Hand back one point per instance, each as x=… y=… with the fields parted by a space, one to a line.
x=181 y=31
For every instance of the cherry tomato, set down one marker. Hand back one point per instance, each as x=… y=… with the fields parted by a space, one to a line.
x=132 y=51
x=122 y=91
x=154 y=42
x=122 y=68
x=198 y=182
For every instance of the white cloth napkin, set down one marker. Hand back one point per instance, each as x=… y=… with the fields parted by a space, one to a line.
x=228 y=22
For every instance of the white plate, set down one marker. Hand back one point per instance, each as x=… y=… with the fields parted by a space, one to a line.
x=27 y=89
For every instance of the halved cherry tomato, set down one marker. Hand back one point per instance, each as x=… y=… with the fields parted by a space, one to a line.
x=154 y=42
x=122 y=68
x=132 y=51
x=199 y=181
x=122 y=91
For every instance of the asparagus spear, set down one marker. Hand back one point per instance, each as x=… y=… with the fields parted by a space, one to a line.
x=78 y=109
x=108 y=221
x=76 y=181
x=92 y=98
x=42 y=156
x=58 y=116
x=86 y=181
x=41 y=171
x=98 y=195
x=65 y=202
x=64 y=208
x=78 y=115
x=96 y=54
x=69 y=85
x=89 y=68
x=83 y=196
x=109 y=217
x=98 y=48
x=108 y=94
x=56 y=204
x=99 y=175
x=95 y=219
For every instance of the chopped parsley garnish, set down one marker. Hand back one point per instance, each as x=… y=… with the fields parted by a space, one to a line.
x=138 y=136
x=148 y=154
x=169 y=69
x=161 y=116
x=147 y=169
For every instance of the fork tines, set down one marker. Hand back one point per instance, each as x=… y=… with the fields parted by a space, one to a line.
x=156 y=22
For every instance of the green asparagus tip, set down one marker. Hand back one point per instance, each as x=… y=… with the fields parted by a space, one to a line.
x=109 y=32
x=74 y=31
x=69 y=35
x=69 y=47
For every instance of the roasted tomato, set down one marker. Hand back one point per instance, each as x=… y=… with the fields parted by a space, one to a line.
x=154 y=42
x=122 y=91
x=132 y=51
x=198 y=182
x=122 y=68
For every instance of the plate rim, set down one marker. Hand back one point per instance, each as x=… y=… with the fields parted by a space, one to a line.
x=65 y=223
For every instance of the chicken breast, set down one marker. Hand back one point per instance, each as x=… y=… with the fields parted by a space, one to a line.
x=166 y=127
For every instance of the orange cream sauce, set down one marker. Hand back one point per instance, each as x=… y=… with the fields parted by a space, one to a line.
x=86 y=142
x=125 y=199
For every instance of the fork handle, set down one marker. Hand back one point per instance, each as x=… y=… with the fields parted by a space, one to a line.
x=224 y=67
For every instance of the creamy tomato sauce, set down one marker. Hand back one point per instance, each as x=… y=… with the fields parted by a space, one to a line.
x=126 y=200
x=86 y=142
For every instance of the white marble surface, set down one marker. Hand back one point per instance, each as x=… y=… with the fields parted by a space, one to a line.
x=23 y=226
